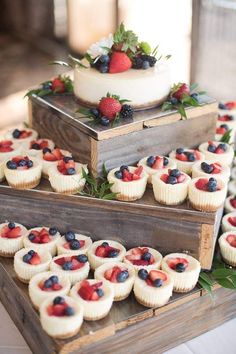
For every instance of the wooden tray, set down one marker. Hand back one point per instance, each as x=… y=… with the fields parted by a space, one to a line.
x=145 y=222
x=128 y=323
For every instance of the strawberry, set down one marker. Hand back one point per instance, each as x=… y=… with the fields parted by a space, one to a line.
x=138 y=171
x=144 y=250
x=231 y=239
x=25 y=134
x=116 y=271
x=101 y=251
x=216 y=168
x=172 y=262
x=181 y=178
x=137 y=250
x=50 y=310
x=17 y=159
x=164 y=177
x=156 y=274
x=179 y=90
x=151 y=260
x=133 y=257
x=233 y=202
x=109 y=107
x=230 y=105
x=86 y=292
x=66 y=245
x=94 y=296
x=45 y=239
x=5 y=146
x=221 y=130
x=56 y=287
x=159 y=163
x=58 y=85
x=76 y=264
x=57 y=153
x=58 y=310
x=119 y=62
x=232 y=220
x=127 y=176
x=108 y=274
x=48 y=156
x=140 y=262
x=96 y=285
x=181 y=157
x=149 y=282
x=4 y=231
x=14 y=233
x=197 y=155
x=219 y=150
x=35 y=260
x=60 y=261
x=201 y=184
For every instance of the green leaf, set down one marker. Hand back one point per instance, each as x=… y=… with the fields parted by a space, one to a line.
x=166 y=106
x=43 y=93
x=104 y=171
x=193 y=87
x=110 y=196
x=223 y=273
x=181 y=111
x=226 y=283
x=226 y=137
x=26 y=125
x=207 y=278
x=205 y=286
x=167 y=57
x=32 y=92
x=145 y=47
x=202 y=92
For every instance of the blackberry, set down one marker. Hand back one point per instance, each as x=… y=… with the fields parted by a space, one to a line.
x=151 y=59
x=137 y=63
x=126 y=111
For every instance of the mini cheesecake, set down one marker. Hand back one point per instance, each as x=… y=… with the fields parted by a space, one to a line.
x=228 y=119
x=120 y=276
x=42 y=239
x=229 y=222
x=170 y=188
x=212 y=169
x=153 y=288
x=21 y=137
x=22 y=172
x=75 y=267
x=227 y=108
x=222 y=129
x=8 y=149
x=207 y=194
x=73 y=243
x=47 y=285
x=50 y=158
x=11 y=238
x=104 y=251
x=186 y=158
x=156 y=164
x=36 y=146
x=67 y=176
x=143 y=257
x=183 y=269
x=96 y=298
x=227 y=242
x=61 y=317
x=128 y=182
x=217 y=152
x=28 y=262
x=230 y=204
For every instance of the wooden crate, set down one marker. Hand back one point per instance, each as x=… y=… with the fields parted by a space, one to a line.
x=150 y=132
x=144 y=222
x=128 y=323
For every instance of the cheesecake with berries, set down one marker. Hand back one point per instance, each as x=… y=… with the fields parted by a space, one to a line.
x=36 y=147
x=11 y=238
x=228 y=119
x=227 y=108
x=66 y=176
x=183 y=269
x=23 y=172
x=153 y=288
x=222 y=129
x=207 y=194
x=217 y=152
x=170 y=188
x=73 y=243
x=21 y=137
x=47 y=285
x=104 y=251
x=61 y=317
x=28 y=262
x=156 y=164
x=230 y=203
x=50 y=159
x=229 y=222
x=120 y=276
x=42 y=238
x=186 y=158
x=143 y=257
x=95 y=296
x=128 y=182
x=74 y=267
x=213 y=169
x=227 y=243
x=8 y=149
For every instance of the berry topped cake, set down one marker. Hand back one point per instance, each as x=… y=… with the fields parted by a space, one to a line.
x=122 y=64
x=121 y=277
x=22 y=137
x=217 y=152
x=186 y=158
x=154 y=164
x=73 y=243
x=42 y=238
x=170 y=188
x=36 y=147
x=230 y=204
x=227 y=108
x=153 y=288
x=104 y=251
x=61 y=317
x=51 y=157
x=143 y=257
x=11 y=238
x=213 y=169
x=207 y=194
x=183 y=269
x=8 y=149
x=128 y=182
x=222 y=129
x=227 y=243
x=229 y=222
x=96 y=298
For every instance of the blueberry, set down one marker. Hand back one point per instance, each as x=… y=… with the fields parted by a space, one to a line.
x=157 y=283
x=225 y=126
x=230 y=117
x=105 y=244
x=58 y=300
x=122 y=276
x=67 y=158
x=54 y=279
x=30 y=163
x=212 y=185
x=46 y=150
x=71 y=171
x=180 y=267
x=103 y=68
x=213 y=180
x=22 y=163
x=48 y=283
x=146 y=256
x=145 y=65
x=69 y=311
x=206 y=168
x=191 y=157
x=67 y=266
x=173 y=100
x=31 y=252
x=35 y=146
x=165 y=161
x=118 y=174
x=52 y=231
x=113 y=253
x=11 y=225
x=222 y=146
x=150 y=161
x=75 y=245
x=104 y=121
x=124 y=167
x=100 y=292
x=195 y=96
x=27 y=257
x=222 y=106
x=172 y=180
x=180 y=151
x=47 y=85
x=143 y=274
x=175 y=172
x=95 y=112
x=31 y=237
x=11 y=165
x=16 y=133
x=82 y=258
x=104 y=59
x=211 y=148
x=69 y=236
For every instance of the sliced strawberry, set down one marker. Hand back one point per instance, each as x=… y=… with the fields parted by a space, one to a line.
x=231 y=239
x=86 y=292
x=230 y=105
x=66 y=245
x=159 y=163
x=151 y=260
x=108 y=274
x=127 y=175
x=172 y=262
x=149 y=282
x=37 y=239
x=60 y=261
x=97 y=285
x=4 y=231
x=70 y=164
x=155 y=274
x=233 y=202
x=14 y=233
x=144 y=250
x=25 y=134
x=50 y=310
x=133 y=257
x=181 y=178
x=43 y=232
x=197 y=155
x=58 y=310
x=181 y=157
x=164 y=178
x=5 y=148
x=82 y=243
x=56 y=287
x=35 y=260
x=138 y=171
x=119 y=62
x=43 y=144
x=100 y=251
x=57 y=153
x=221 y=130
x=116 y=271
x=219 y=150
x=45 y=239
x=17 y=159
x=48 y=156
x=94 y=296
x=232 y=220
x=140 y=262
x=201 y=184
x=216 y=168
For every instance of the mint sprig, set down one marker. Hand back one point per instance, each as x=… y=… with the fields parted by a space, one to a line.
x=226 y=137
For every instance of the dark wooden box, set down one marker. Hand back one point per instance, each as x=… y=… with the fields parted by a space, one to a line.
x=150 y=132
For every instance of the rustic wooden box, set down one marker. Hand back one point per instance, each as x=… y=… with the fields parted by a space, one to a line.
x=150 y=132
x=145 y=222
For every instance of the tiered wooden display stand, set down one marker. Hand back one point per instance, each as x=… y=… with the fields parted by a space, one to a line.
x=129 y=327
